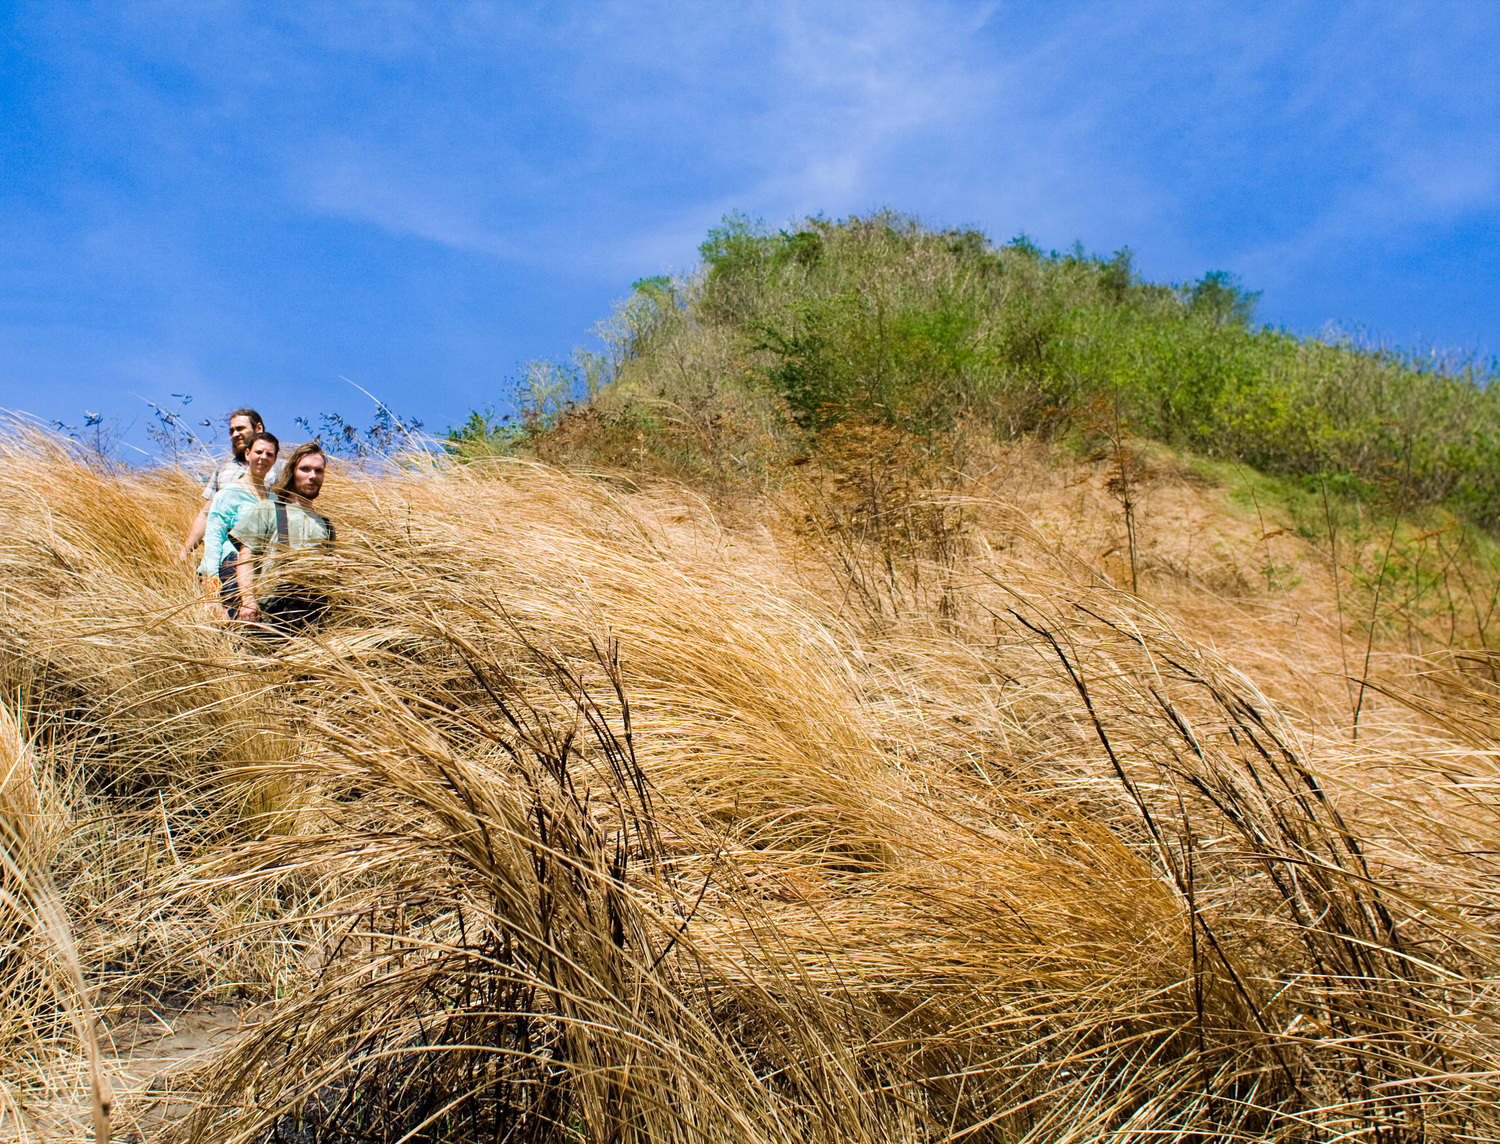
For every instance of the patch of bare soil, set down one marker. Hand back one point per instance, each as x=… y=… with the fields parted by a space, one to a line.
x=150 y=1059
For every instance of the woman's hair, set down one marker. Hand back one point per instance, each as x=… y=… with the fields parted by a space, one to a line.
x=264 y=436
x=289 y=469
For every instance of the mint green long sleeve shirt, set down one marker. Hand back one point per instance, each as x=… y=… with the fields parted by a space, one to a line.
x=228 y=505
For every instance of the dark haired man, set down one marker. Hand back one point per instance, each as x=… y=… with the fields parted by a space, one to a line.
x=243 y=424
x=267 y=532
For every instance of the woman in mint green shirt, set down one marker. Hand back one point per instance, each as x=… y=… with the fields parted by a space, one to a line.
x=229 y=504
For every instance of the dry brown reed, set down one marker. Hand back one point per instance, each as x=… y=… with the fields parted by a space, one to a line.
x=587 y=817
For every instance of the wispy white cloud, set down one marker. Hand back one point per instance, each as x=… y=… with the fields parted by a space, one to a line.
x=350 y=182
x=811 y=118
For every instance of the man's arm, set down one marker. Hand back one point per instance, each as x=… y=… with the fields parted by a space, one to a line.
x=195 y=534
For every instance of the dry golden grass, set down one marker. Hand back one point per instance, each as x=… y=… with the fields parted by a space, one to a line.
x=43 y=990
x=591 y=816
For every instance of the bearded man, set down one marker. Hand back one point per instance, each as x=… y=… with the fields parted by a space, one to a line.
x=271 y=531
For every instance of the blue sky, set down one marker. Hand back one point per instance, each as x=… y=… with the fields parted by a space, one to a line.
x=250 y=201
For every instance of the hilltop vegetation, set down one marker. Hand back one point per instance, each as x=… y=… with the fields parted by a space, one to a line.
x=783 y=336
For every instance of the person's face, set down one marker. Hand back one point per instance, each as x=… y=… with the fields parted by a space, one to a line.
x=307 y=481
x=260 y=457
x=241 y=429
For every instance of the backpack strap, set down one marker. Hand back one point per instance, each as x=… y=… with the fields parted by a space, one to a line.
x=283 y=531
x=324 y=521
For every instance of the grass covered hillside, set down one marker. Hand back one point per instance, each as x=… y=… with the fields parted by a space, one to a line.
x=889 y=709
x=596 y=814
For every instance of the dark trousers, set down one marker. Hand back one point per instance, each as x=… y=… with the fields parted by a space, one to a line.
x=293 y=612
x=229 y=588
